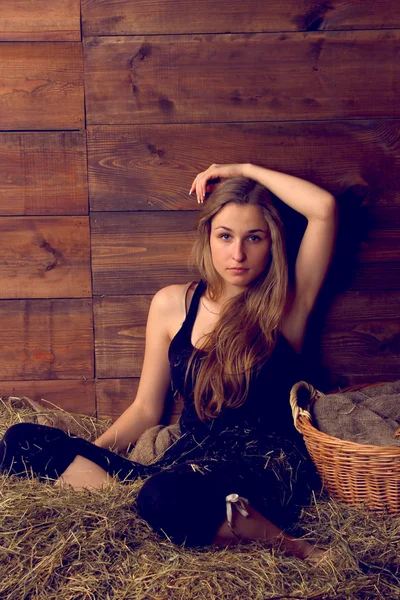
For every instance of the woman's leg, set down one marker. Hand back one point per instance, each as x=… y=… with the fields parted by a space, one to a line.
x=29 y=450
x=188 y=504
x=255 y=526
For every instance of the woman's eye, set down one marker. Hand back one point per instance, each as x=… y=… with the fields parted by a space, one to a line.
x=224 y=236
x=254 y=238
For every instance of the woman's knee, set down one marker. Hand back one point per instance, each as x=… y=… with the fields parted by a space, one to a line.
x=26 y=431
x=28 y=449
x=18 y=431
x=15 y=436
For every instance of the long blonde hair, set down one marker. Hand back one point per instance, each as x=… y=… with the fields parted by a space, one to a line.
x=232 y=351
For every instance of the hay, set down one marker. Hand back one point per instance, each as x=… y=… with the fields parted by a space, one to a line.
x=57 y=543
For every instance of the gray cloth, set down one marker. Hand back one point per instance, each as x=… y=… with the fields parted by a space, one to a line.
x=154 y=442
x=367 y=416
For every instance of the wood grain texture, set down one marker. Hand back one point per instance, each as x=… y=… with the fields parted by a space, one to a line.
x=152 y=167
x=340 y=381
x=40 y=20
x=41 y=85
x=115 y=395
x=46 y=339
x=72 y=395
x=120 y=331
x=359 y=346
x=43 y=173
x=242 y=77
x=361 y=337
x=364 y=306
x=373 y=276
x=45 y=257
x=118 y=17
x=139 y=253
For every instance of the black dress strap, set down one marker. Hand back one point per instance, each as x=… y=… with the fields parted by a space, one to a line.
x=194 y=305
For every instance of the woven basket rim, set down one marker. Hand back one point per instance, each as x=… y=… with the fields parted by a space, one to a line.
x=306 y=427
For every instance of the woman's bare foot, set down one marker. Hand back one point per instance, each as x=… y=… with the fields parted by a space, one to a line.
x=297 y=547
x=255 y=526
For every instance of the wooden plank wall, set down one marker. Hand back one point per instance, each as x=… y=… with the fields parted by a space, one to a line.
x=109 y=108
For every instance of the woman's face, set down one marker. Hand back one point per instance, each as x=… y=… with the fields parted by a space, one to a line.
x=240 y=243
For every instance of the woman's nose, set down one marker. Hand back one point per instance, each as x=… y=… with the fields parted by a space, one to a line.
x=238 y=252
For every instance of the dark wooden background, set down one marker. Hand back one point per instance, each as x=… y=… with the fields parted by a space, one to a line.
x=109 y=108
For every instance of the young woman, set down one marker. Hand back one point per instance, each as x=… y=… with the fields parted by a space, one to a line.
x=231 y=346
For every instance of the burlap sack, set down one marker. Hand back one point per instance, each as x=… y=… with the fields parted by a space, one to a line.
x=154 y=442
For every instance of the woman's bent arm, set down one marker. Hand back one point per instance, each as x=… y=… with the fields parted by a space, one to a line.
x=303 y=196
x=148 y=406
x=126 y=429
x=316 y=248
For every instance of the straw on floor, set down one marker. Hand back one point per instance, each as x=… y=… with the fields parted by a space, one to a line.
x=57 y=543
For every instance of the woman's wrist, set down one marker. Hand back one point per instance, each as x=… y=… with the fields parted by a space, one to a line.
x=248 y=170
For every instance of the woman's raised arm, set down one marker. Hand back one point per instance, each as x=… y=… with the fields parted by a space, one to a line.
x=148 y=406
x=316 y=248
x=317 y=245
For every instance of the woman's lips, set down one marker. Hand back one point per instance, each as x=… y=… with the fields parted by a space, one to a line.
x=237 y=270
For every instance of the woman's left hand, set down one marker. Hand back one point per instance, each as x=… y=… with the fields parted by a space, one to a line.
x=215 y=172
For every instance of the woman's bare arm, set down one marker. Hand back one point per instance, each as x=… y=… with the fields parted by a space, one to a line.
x=316 y=248
x=148 y=406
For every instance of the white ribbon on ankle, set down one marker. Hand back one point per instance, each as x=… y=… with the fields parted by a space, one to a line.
x=238 y=502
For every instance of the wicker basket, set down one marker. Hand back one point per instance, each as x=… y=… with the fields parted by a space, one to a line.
x=353 y=473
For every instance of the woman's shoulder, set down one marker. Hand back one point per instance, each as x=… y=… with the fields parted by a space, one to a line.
x=172 y=295
x=173 y=302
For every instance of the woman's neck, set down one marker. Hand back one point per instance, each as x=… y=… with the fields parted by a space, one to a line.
x=230 y=291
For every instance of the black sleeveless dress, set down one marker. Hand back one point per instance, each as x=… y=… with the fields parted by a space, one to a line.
x=266 y=410
x=254 y=451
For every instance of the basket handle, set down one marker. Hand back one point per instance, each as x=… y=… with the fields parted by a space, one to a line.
x=298 y=411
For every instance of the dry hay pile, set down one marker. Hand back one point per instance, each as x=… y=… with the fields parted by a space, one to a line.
x=57 y=543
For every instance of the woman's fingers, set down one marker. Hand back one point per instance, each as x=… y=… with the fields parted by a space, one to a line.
x=206 y=181
x=204 y=184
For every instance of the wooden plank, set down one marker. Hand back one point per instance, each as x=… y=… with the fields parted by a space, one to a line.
x=121 y=17
x=372 y=276
x=367 y=253
x=36 y=20
x=380 y=246
x=41 y=85
x=340 y=381
x=46 y=339
x=152 y=167
x=242 y=77
x=76 y=396
x=364 y=306
x=45 y=257
x=358 y=346
x=120 y=331
x=139 y=253
x=115 y=395
x=361 y=334
x=43 y=173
